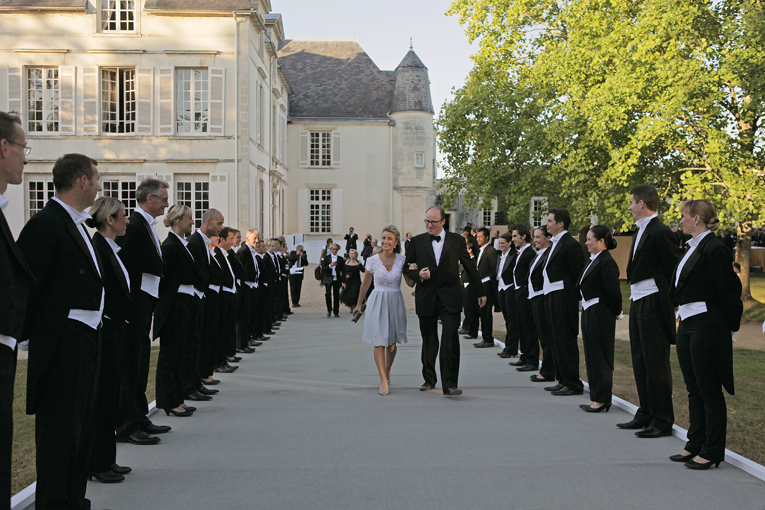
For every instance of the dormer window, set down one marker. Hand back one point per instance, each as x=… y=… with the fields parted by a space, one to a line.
x=117 y=16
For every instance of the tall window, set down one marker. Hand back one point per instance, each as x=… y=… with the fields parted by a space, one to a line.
x=39 y=190
x=261 y=115
x=42 y=100
x=262 y=223
x=192 y=100
x=419 y=160
x=118 y=102
x=193 y=191
x=320 y=219
x=117 y=15
x=123 y=189
x=537 y=210
x=487 y=217
x=320 y=149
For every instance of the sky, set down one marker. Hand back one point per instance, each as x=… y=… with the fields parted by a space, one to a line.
x=383 y=28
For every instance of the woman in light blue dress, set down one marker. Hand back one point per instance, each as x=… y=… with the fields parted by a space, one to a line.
x=385 y=322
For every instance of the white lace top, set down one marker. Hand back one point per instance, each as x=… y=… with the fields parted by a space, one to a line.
x=386 y=281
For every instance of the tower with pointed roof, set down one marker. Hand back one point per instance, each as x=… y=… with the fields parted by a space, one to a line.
x=414 y=141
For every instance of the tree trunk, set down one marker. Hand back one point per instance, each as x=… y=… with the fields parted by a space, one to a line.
x=743 y=253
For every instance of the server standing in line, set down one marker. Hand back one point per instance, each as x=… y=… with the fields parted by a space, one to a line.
x=539 y=311
x=506 y=295
x=529 y=361
x=487 y=270
x=298 y=262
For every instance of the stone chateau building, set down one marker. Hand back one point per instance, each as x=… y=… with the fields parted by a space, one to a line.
x=286 y=136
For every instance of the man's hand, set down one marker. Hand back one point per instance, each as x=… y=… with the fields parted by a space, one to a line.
x=425 y=273
x=482 y=301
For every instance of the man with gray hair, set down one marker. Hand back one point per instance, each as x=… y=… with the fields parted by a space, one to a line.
x=141 y=253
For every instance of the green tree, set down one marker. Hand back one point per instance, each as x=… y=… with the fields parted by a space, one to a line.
x=664 y=91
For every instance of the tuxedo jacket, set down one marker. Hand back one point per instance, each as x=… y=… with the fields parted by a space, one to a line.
x=522 y=263
x=226 y=279
x=566 y=262
x=203 y=261
x=245 y=258
x=487 y=268
x=236 y=265
x=67 y=279
x=327 y=269
x=444 y=281
x=270 y=268
x=464 y=278
x=537 y=278
x=16 y=284
x=180 y=269
x=655 y=257
x=139 y=252
x=265 y=271
x=601 y=280
x=117 y=299
x=303 y=263
x=708 y=276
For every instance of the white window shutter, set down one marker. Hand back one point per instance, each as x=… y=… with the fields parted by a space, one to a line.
x=90 y=101
x=15 y=90
x=66 y=100
x=217 y=88
x=303 y=156
x=166 y=103
x=303 y=210
x=259 y=105
x=219 y=194
x=336 y=149
x=337 y=210
x=144 y=100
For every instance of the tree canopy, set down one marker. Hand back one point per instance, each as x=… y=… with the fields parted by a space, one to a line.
x=580 y=100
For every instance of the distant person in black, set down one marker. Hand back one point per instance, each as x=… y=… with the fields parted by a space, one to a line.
x=350 y=240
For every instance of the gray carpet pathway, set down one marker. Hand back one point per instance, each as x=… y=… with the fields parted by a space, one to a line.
x=301 y=426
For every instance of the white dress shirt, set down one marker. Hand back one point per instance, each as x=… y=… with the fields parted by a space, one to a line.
x=643 y=288
x=697 y=307
x=116 y=248
x=594 y=301
x=189 y=290
x=4 y=339
x=438 y=246
x=254 y=254
x=231 y=290
x=548 y=285
x=150 y=282
x=334 y=274
x=91 y=318
x=501 y=283
x=478 y=261
x=515 y=282
x=532 y=292
x=206 y=241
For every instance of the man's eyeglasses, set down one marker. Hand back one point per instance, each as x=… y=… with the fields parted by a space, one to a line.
x=27 y=150
x=433 y=222
x=163 y=199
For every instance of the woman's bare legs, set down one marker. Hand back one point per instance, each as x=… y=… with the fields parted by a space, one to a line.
x=391 y=355
x=379 y=352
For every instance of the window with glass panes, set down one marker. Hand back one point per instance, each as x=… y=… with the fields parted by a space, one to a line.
x=320 y=212
x=487 y=217
x=42 y=100
x=39 y=191
x=118 y=103
x=419 y=160
x=193 y=191
x=121 y=189
x=117 y=15
x=320 y=149
x=191 y=100
x=537 y=209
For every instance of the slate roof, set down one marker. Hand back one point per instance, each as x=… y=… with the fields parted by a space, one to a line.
x=199 y=5
x=411 y=60
x=43 y=4
x=334 y=79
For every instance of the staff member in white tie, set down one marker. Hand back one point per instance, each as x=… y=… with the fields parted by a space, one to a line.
x=298 y=262
x=601 y=303
x=333 y=267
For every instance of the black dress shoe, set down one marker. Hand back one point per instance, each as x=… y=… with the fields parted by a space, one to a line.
x=207 y=391
x=692 y=464
x=246 y=350
x=262 y=338
x=231 y=367
x=223 y=370
x=337 y=315
x=484 y=344
x=557 y=387
x=254 y=343
x=652 y=432
x=276 y=323
x=462 y=332
x=190 y=409
x=633 y=424
x=296 y=305
x=452 y=392
x=139 y=437
x=469 y=337
x=426 y=387
x=198 y=397
x=106 y=477
x=235 y=359
x=682 y=458
x=121 y=470
x=604 y=407
x=269 y=332
x=504 y=355
x=566 y=392
x=527 y=368
x=211 y=382
x=185 y=412
x=518 y=363
x=534 y=378
x=329 y=314
x=156 y=429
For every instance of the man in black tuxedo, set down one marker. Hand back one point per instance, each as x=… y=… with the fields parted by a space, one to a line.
x=438 y=295
x=201 y=347
x=487 y=271
x=63 y=328
x=469 y=299
x=141 y=253
x=506 y=295
x=269 y=274
x=561 y=271
x=350 y=241
x=15 y=285
x=653 y=256
x=298 y=262
x=332 y=267
x=529 y=360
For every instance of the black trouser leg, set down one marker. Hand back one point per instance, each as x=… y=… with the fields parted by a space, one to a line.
x=211 y=334
x=429 y=333
x=7 y=379
x=190 y=350
x=547 y=370
x=563 y=316
x=512 y=339
x=449 y=354
x=526 y=328
x=486 y=313
x=175 y=331
x=598 y=330
x=296 y=285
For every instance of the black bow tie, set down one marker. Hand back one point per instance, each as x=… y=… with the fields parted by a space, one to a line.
x=435 y=238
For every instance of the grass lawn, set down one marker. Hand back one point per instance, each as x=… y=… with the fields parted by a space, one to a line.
x=746 y=414
x=23 y=463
